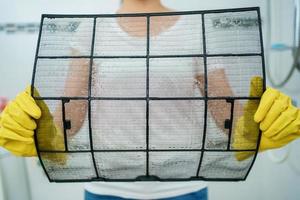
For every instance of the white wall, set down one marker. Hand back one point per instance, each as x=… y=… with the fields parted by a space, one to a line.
x=267 y=179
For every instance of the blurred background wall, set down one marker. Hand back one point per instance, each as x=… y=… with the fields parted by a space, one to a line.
x=275 y=175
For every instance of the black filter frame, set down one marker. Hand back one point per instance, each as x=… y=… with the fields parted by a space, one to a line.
x=89 y=98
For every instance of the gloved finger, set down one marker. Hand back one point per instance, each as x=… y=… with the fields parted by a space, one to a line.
x=20 y=116
x=9 y=123
x=40 y=103
x=28 y=91
x=11 y=135
x=266 y=102
x=256 y=87
x=285 y=118
x=292 y=128
x=249 y=111
x=279 y=105
x=27 y=104
x=256 y=90
x=35 y=92
x=45 y=110
x=18 y=148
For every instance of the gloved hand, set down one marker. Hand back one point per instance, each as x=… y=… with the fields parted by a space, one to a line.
x=279 y=120
x=275 y=115
x=17 y=125
x=19 y=120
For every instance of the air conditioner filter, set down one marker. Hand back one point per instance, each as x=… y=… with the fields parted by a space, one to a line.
x=147 y=97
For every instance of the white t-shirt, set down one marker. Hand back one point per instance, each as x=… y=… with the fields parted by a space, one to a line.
x=169 y=77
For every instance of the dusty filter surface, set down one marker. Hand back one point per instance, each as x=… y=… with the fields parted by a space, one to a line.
x=156 y=96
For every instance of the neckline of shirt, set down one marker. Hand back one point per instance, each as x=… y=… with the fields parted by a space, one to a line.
x=125 y=34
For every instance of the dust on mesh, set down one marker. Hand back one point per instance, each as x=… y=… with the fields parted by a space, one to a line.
x=156 y=107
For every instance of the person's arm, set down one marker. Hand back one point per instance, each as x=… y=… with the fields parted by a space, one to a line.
x=219 y=86
x=24 y=115
x=76 y=85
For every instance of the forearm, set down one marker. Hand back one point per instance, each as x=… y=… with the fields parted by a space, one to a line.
x=219 y=86
x=76 y=85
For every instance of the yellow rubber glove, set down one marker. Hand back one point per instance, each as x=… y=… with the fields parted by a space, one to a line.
x=279 y=120
x=275 y=115
x=246 y=130
x=19 y=120
x=17 y=125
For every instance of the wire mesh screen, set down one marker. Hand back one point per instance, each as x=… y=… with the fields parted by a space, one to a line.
x=156 y=96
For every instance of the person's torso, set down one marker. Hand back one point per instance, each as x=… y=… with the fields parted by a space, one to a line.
x=121 y=124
